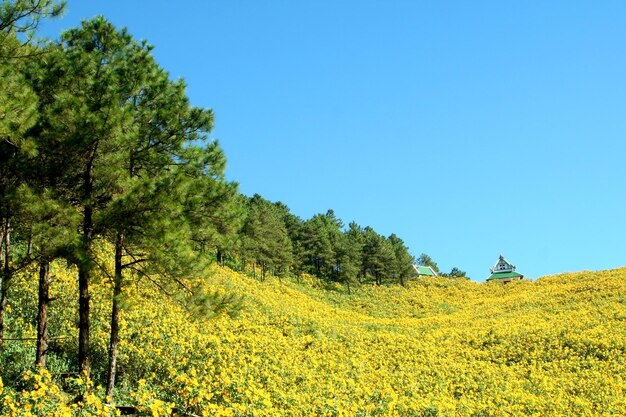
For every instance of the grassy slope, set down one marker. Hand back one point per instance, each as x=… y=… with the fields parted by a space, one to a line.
x=439 y=347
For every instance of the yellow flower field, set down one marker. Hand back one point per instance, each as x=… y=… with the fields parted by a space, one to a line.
x=439 y=347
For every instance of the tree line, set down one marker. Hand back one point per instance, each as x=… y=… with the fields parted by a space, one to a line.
x=273 y=239
x=99 y=147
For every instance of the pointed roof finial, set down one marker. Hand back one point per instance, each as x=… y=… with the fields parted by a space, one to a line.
x=504 y=270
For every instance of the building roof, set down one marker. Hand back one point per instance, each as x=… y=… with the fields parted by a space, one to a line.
x=503 y=275
x=424 y=270
x=502 y=265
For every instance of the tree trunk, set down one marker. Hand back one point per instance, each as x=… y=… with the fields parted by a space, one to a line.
x=1 y=241
x=42 y=311
x=220 y=257
x=84 y=275
x=29 y=247
x=83 y=323
x=263 y=270
x=5 y=276
x=115 y=311
x=85 y=267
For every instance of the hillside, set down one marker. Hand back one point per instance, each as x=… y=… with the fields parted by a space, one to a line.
x=438 y=347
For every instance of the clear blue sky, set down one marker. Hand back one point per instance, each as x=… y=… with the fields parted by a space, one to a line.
x=466 y=128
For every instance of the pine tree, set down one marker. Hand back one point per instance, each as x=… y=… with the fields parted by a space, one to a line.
x=18 y=113
x=86 y=85
x=295 y=230
x=378 y=255
x=356 y=242
x=51 y=223
x=265 y=240
x=347 y=256
x=23 y=16
x=402 y=267
x=213 y=206
x=320 y=238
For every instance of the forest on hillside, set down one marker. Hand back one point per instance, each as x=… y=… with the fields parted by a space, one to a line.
x=135 y=278
x=106 y=166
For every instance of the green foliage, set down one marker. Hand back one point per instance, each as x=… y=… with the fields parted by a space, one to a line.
x=51 y=222
x=320 y=241
x=23 y=16
x=209 y=304
x=295 y=230
x=213 y=208
x=402 y=265
x=378 y=255
x=457 y=273
x=265 y=240
x=18 y=108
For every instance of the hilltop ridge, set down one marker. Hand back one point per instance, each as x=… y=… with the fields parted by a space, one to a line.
x=436 y=347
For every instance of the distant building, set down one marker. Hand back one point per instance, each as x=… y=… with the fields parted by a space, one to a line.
x=504 y=271
x=424 y=271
